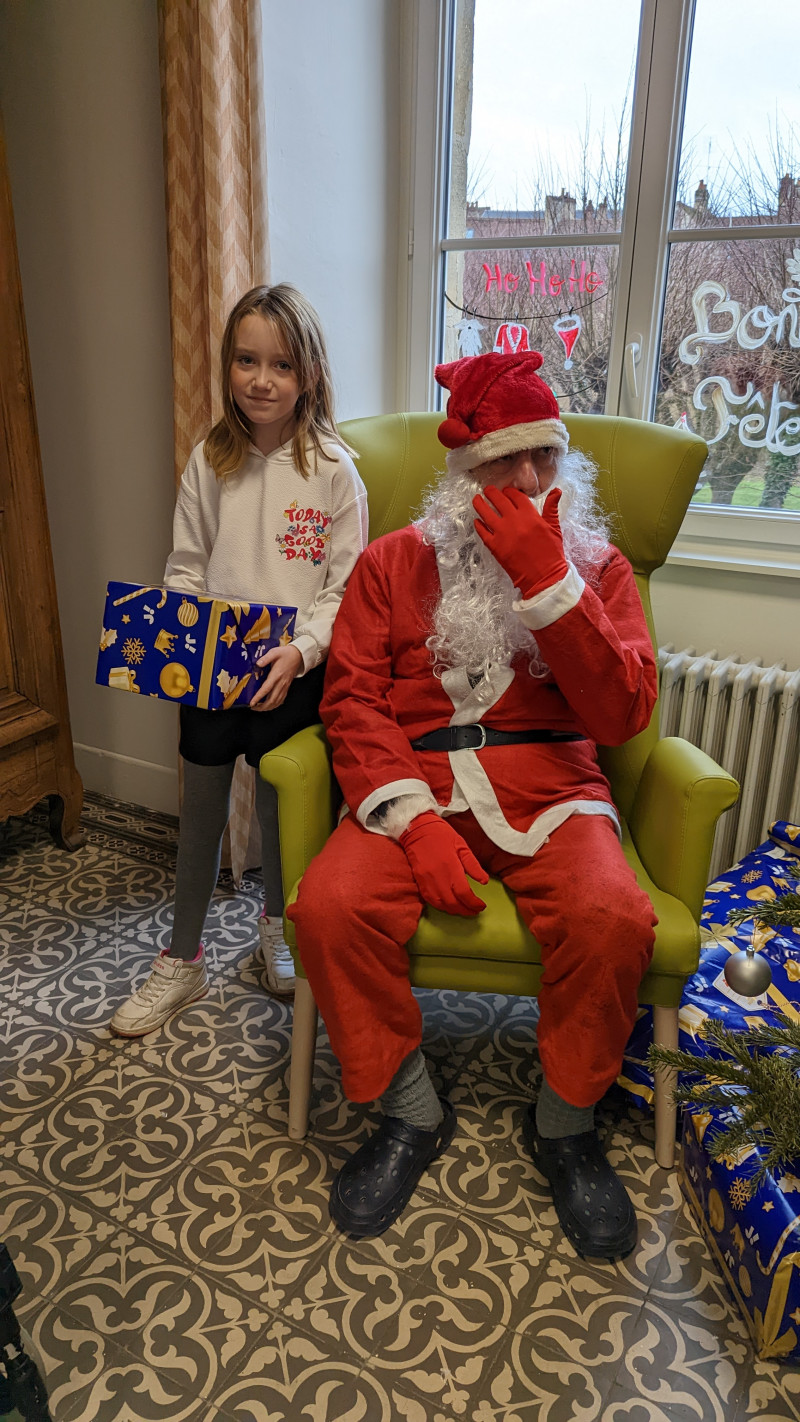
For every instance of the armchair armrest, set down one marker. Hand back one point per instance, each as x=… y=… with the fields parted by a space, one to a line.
x=681 y=795
x=300 y=770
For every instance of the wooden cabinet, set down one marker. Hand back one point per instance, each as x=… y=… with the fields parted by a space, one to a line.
x=36 y=756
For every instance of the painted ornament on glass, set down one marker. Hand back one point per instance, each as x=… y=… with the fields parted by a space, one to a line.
x=568 y=329
x=470 y=341
x=511 y=337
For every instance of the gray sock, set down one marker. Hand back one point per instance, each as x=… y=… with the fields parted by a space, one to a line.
x=204 y=815
x=410 y=1095
x=267 y=812
x=555 y=1117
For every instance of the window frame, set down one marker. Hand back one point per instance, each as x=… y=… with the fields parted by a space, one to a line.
x=427 y=39
x=712 y=536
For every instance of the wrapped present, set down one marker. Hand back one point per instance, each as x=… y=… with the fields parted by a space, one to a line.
x=755 y=1239
x=187 y=647
x=762 y=876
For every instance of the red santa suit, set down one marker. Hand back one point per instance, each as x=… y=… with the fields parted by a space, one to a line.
x=538 y=816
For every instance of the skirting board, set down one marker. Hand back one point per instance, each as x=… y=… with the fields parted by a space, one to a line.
x=138 y=782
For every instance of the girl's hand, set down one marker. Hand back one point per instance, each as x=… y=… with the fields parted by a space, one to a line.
x=286 y=662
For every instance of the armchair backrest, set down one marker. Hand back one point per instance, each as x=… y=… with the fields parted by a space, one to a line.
x=647 y=475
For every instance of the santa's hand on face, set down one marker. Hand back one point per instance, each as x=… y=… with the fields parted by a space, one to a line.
x=503 y=432
x=529 y=545
x=478 y=657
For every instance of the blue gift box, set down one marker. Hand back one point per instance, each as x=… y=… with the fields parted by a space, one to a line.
x=762 y=876
x=755 y=1240
x=187 y=647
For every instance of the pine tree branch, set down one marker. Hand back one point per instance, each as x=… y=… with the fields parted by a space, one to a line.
x=760 y=1090
x=786 y=1035
x=784 y=911
x=711 y=1069
x=756 y=1077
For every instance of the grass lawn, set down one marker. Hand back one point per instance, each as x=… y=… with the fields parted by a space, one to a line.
x=748 y=496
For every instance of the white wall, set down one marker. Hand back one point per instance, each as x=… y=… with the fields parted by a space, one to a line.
x=755 y=614
x=79 y=89
x=331 y=100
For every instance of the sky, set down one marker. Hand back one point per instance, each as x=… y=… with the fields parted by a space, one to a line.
x=543 y=66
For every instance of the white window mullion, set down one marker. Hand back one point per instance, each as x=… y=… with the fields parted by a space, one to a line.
x=641 y=85
x=663 y=103
x=427 y=30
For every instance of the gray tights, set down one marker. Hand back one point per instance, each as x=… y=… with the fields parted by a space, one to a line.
x=204 y=815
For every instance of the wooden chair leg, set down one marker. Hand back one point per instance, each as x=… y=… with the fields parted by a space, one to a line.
x=665 y=1034
x=304 y=1042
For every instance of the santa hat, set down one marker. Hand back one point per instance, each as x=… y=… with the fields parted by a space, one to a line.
x=498 y=404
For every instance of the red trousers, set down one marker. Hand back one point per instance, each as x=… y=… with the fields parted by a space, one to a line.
x=359 y=905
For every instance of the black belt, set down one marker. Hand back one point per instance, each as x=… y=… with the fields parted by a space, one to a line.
x=475 y=737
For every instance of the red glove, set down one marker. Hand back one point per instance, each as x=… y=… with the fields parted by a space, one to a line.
x=529 y=545
x=440 y=861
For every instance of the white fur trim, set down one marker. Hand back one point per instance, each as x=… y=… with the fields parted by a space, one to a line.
x=420 y=789
x=479 y=793
x=535 y=435
x=471 y=703
x=472 y=787
x=547 y=606
x=396 y=820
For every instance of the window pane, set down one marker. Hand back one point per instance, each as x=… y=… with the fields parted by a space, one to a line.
x=559 y=301
x=541 y=114
x=730 y=368
x=740 y=154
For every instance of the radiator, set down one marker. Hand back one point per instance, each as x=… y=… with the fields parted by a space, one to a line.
x=747 y=717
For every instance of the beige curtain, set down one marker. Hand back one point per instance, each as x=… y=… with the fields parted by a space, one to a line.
x=214 y=161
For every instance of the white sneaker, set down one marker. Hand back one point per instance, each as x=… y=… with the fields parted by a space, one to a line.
x=275 y=956
x=172 y=984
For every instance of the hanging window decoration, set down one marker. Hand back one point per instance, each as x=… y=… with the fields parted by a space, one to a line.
x=470 y=341
x=511 y=337
x=516 y=330
x=568 y=329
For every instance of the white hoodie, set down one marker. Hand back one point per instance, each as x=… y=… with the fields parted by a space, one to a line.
x=266 y=534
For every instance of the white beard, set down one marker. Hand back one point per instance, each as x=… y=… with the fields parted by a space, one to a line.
x=474 y=623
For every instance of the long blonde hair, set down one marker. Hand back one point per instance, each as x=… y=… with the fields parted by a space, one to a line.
x=298 y=325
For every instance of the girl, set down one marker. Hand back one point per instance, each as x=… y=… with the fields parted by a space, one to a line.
x=270 y=509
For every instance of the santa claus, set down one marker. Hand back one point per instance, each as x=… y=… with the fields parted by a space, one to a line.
x=479 y=656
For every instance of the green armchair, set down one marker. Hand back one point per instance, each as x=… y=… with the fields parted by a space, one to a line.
x=669 y=793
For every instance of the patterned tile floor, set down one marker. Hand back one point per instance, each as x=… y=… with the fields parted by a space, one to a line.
x=175 y=1248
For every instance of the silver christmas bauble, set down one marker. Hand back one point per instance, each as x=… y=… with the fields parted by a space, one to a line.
x=749 y=974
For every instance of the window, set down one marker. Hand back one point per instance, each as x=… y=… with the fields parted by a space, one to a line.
x=729 y=357
x=621 y=190
x=538 y=169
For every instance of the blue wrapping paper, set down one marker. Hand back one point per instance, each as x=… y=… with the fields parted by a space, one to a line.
x=769 y=871
x=192 y=649
x=756 y=1242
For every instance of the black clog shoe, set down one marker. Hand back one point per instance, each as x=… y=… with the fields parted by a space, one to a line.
x=374 y=1186
x=592 y=1204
